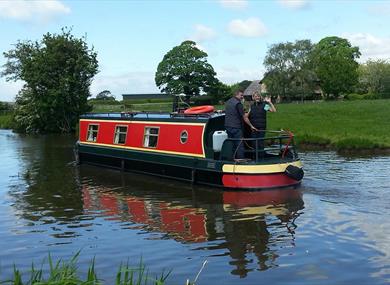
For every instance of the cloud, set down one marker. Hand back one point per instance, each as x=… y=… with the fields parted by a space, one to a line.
x=127 y=83
x=203 y=33
x=234 y=4
x=23 y=10
x=250 y=28
x=294 y=4
x=370 y=46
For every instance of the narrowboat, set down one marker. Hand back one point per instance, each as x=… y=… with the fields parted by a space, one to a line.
x=189 y=145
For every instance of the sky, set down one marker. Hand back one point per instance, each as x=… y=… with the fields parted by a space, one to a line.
x=131 y=37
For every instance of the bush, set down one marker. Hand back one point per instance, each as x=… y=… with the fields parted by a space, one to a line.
x=6 y=121
x=368 y=96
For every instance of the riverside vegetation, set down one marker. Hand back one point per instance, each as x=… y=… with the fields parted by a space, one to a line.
x=66 y=272
x=340 y=125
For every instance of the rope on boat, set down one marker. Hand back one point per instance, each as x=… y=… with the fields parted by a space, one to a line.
x=291 y=135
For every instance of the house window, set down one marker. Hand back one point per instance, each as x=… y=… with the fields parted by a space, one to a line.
x=183 y=137
x=151 y=136
x=120 y=134
x=92 y=133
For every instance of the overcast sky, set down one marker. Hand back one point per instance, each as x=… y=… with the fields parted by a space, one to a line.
x=131 y=37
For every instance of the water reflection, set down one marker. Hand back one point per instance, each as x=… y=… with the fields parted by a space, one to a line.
x=246 y=224
x=48 y=204
x=56 y=203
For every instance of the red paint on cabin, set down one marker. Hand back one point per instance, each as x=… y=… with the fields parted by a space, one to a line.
x=257 y=181
x=168 y=138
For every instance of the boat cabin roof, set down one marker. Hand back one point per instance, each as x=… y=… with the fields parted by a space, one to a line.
x=153 y=116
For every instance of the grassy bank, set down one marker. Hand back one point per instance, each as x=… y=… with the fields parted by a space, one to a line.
x=337 y=125
x=159 y=106
x=341 y=125
x=6 y=121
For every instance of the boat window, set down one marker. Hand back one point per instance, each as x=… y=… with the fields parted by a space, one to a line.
x=120 y=134
x=92 y=133
x=151 y=136
x=183 y=137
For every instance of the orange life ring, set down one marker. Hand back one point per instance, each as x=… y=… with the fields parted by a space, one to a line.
x=199 y=110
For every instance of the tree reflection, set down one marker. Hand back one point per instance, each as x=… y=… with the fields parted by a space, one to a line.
x=47 y=190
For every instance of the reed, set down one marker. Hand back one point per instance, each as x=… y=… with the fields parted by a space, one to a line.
x=66 y=273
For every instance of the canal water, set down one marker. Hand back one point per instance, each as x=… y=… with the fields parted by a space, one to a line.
x=334 y=229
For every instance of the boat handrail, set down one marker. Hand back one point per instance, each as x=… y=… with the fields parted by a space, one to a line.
x=285 y=147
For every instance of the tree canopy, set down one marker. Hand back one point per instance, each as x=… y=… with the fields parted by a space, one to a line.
x=288 y=69
x=374 y=77
x=57 y=72
x=105 y=95
x=185 y=70
x=335 y=65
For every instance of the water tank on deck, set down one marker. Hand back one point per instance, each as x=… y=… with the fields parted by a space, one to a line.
x=218 y=138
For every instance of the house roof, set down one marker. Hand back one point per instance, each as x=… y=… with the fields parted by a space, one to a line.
x=254 y=86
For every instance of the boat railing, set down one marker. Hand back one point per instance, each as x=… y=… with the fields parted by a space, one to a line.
x=275 y=145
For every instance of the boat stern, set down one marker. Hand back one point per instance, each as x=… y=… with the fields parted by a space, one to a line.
x=262 y=176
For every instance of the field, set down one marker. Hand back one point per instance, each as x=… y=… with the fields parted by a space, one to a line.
x=361 y=124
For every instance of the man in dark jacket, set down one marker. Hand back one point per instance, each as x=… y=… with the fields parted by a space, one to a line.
x=257 y=115
x=234 y=117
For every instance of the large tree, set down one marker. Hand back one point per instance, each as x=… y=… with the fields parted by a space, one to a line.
x=57 y=72
x=288 y=69
x=335 y=64
x=185 y=70
x=374 y=77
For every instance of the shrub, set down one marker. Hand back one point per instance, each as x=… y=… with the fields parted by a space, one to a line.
x=367 y=96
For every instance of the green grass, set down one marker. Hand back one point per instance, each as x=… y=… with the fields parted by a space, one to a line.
x=164 y=107
x=6 y=121
x=340 y=125
x=67 y=273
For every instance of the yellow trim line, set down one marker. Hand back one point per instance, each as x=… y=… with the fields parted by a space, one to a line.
x=258 y=168
x=143 y=122
x=142 y=149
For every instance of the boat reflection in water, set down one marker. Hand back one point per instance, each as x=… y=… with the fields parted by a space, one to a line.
x=244 y=225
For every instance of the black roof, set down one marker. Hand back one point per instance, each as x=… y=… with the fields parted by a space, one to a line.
x=152 y=116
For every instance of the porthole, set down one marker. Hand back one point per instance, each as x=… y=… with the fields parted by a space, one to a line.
x=183 y=136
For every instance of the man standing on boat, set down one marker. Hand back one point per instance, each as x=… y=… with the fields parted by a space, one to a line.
x=257 y=115
x=234 y=117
